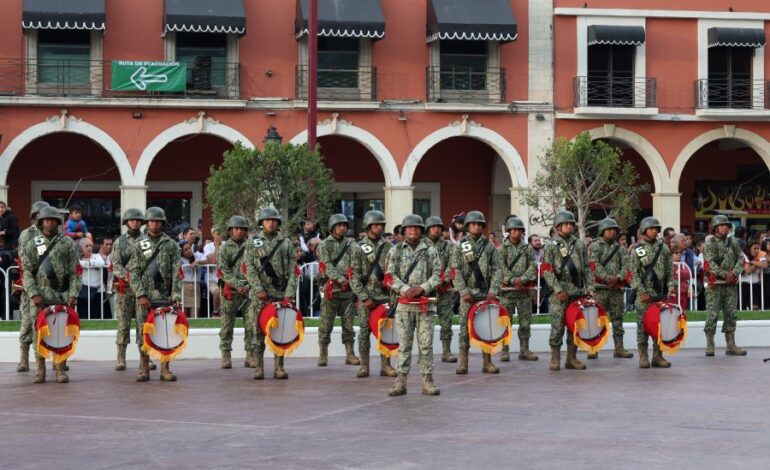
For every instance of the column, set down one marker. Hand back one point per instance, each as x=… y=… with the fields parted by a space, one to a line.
x=398 y=204
x=666 y=208
x=133 y=196
x=4 y=193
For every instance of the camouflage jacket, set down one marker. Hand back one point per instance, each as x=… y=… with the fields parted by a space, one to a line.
x=425 y=274
x=159 y=280
x=603 y=268
x=330 y=249
x=444 y=250
x=57 y=278
x=643 y=256
x=488 y=259
x=26 y=235
x=279 y=277
x=231 y=261
x=722 y=256
x=555 y=267
x=364 y=255
x=524 y=268
x=122 y=250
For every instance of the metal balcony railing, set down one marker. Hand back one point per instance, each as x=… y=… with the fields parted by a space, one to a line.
x=339 y=84
x=615 y=92
x=465 y=84
x=730 y=93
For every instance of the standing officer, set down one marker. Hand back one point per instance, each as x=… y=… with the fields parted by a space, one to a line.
x=235 y=289
x=724 y=263
x=50 y=264
x=608 y=263
x=445 y=291
x=271 y=273
x=415 y=268
x=517 y=262
x=370 y=260
x=567 y=273
x=477 y=264
x=335 y=260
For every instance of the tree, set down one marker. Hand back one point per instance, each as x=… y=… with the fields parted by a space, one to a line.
x=288 y=177
x=584 y=175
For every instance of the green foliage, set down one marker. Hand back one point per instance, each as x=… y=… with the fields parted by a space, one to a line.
x=288 y=177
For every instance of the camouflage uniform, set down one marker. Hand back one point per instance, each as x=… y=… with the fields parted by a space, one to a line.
x=125 y=299
x=27 y=310
x=638 y=261
x=722 y=256
x=445 y=292
x=612 y=299
x=230 y=261
x=518 y=301
x=337 y=303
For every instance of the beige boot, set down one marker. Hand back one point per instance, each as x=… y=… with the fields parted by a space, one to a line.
x=386 y=370
x=323 y=357
x=61 y=373
x=732 y=349
x=657 y=357
x=350 y=356
x=447 y=355
x=23 y=359
x=399 y=388
x=165 y=372
x=227 y=360
x=250 y=362
x=555 y=358
x=279 y=372
x=462 y=367
x=505 y=356
x=524 y=353
x=259 y=365
x=363 y=371
x=152 y=365
x=488 y=367
x=428 y=387
x=572 y=361
x=121 y=364
x=710 y=344
x=644 y=360
x=144 y=368
x=40 y=376
x=620 y=351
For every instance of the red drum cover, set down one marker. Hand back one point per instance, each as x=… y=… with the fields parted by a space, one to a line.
x=384 y=330
x=165 y=333
x=666 y=323
x=58 y=330
x=489 y=326
x=588 y=323
x=283 y=327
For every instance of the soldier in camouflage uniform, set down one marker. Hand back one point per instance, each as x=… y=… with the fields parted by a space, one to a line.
x=653 y=280
x=724 y=265
x=271 y=271
x=609 y=265
x=445 y=291
x=566 y=271
x=125 y=300
x=50 y=265
x=153 y=272
x=415 y=268
x=335 y=259
x=370 y=260
x=235 y=289
x=26 y=309
x=476 y=263
x=517 y=262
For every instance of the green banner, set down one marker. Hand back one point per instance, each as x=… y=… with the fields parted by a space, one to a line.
x=131 y=75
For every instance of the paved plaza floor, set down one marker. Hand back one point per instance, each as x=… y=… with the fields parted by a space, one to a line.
x=703 y=413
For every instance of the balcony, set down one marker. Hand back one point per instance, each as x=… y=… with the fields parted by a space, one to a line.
x=338 y=84
x=723 y=96
x=615 y=95
x=465 y=85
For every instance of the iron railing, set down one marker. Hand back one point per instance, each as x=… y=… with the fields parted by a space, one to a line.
x=343 y=84
x=615 y=92
x=730 y=93
x=465 y=84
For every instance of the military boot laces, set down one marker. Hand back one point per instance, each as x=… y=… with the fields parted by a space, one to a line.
x=620 y=351
x=350 y=356
x=121 y=363
x=249 y=362
x=462 y=367
x=165 y=372
x=524 y=353
x=572 y=361
x=447 y=355
x=279 y=372
x=61 y=373
x=227 y=360
x=259 y=366
x=40 y=375
x=23 y=360
x=555 y=358
x=732 y=349
x=710 y=345
x=505 y=356
x=363 y=371
x=144 y=368
x=323 y=356
x=657 y=358
x=644 y=360
x=399 y=388
x=488 y=367
x=428 y=387
x=386 y=370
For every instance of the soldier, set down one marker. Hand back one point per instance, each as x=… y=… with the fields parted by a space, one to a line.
x=415 y=268
x=609 y=263
x=335 y=256
x=477 y=264
x=517 y=262
x=26 y=309
x=445 y=291
x=50 y=265
x=567 y=273
x=235 y=291
x=153 y=271
x=369 y=265
x=652 y=279
x=724 y=265
x=271 y=271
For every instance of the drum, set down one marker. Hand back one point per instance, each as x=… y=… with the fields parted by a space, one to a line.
x=489 y=326
x=384 y=329
x=283 y=327
x=58 y=330
x=666 y=323
x=165 y=333
x=588 y=323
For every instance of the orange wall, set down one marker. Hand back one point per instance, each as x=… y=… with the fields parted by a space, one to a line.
x=695 y=5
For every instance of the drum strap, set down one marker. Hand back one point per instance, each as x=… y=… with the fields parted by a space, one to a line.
x=723 y=256
x=480 y=282
x=125 y=256
x=516 y=259
x=47 y=267
x=567 y=263
x=375 y=267
x=416 y=260
x=267 y=267
x=152 y=265
x=339 y=257
x=611 y=255
x=651 y=275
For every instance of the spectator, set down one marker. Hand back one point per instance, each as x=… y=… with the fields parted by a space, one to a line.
x=190 y=282
x=681 y=242
x=9 y=227
x=190 y=235
x=311 y=255
x=668 y=232
x=91 y=293
x=537 y=246
x=307 y=305
x=308 y=232
x=765 y=247
x=623 y=240
x=105 y=248
x=75 y=227
x=457 y=228
x=493 y=239
x=388 y=237
x=755 y=262
x=682 y=276
x=210 y=258
x=398 y=236
x=700 y=260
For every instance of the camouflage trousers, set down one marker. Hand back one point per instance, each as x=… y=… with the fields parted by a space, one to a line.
x=521 y=305
x=229 y=310
x=409 y=318
x=330 y=308
x=724 y=299
x=557 y=309
x=125 y=310
x=364 y=340
x=614 y=304
x=28 y=314
x=444 y=303
x=253 y=338
x=641 y=334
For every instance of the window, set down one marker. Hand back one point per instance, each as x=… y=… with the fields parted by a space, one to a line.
x=611 y=75
x=463 y=65
x=63 y=57
x=338 y=62
x=206 y=57
x=421 y=207
x=354 y=206
x=101 y=210
x=730 y=82
x=177 y=207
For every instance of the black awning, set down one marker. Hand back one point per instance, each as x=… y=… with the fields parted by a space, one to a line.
x=206 y=16
x=736 y=37
x=615 y=35
x=63 y=14
x=487 y=20
x=343 y=18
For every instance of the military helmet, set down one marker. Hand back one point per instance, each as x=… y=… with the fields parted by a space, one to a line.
x=474 y=216
x=718 y=220
x=412 y=220
x=155 y=214
x=607 y=224
x=337 y=219
x=648 y=222
x=564 y=217
x=373 y=217
x=514 y=222
x=237 y=221
x=132 y=214
x=36 y=206
x=269 y=213
x=48 y=213
x=432 y=221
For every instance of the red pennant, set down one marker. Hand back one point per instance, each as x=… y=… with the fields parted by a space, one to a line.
x=322 y=268
x=78 y=270
x=180 y=274
x=243 y=268
x=387 y=281
x=592 y=265
x=297 y=271
x=545 y=268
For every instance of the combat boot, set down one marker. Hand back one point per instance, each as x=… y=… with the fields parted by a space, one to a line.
x=732 y=349
x=279 y=372
x=61 y=373
x=620 y=351
x=363 y=371
x=23 y=359
x=428 y=387
x=249 y=362
x=657 y=357
x=644 y=361
x=572 y=361
x=40 y=376
x=710 y=344
x=65 y=367
x=121 y=364
x=505 y=356
x=144 y=368
x=165 y=372
x=323 y=357
x=594 y=355
x=524 y=353
x=227 y=360
x=399 y=388
x=488 y=367
x=386 y=370
x=350 y=356
x=462 y=368
x=153 y=366
x=447 y=355
x=259 y=366
x=555 y=358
